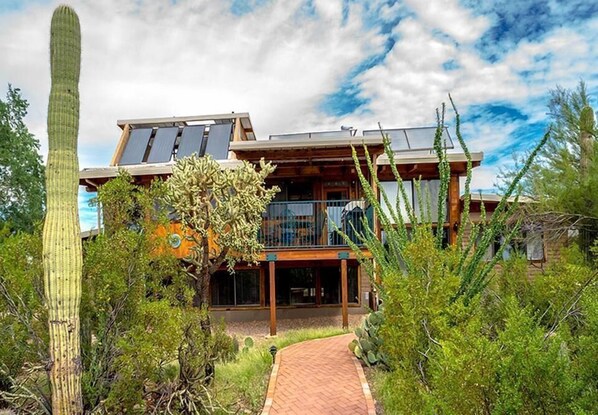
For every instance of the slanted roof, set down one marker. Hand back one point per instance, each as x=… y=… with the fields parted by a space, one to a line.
x=96 y=176
x=494 y=198
x=161 y=140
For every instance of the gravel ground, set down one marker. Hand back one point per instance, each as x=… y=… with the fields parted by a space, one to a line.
x=260 y=330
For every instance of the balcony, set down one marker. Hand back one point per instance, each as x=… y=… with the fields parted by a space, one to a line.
x=314 y=223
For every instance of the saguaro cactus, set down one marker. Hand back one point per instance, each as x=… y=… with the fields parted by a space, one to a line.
x=61 y=237
x=587 y=127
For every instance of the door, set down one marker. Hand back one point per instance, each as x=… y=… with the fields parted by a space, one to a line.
x=336 y=199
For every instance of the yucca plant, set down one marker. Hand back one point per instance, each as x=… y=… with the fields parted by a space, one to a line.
x=61 y=236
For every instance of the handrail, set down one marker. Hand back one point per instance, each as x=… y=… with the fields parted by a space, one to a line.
x=314 y=223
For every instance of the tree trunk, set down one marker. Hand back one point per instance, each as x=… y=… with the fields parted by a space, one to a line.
x=61 y=235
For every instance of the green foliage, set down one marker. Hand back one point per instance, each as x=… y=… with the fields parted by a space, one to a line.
x=463 y=338
x=564 y=176
x=23 y=324
x=21 y=170
x=367 y=346
x=227 y=202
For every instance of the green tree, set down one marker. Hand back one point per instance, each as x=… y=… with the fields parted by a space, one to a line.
x=221 y=212
x=564 y=176
x=21 y=168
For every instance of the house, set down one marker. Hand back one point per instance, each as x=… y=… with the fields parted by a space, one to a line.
x=306 y=269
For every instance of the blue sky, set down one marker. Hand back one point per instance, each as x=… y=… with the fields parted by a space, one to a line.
x=300 y=65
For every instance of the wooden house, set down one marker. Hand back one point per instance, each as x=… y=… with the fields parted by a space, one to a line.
x=306 y=269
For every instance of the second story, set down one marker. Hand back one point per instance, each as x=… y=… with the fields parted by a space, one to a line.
x=318 y=177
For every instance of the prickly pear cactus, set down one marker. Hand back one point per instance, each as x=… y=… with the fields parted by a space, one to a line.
x=61 y=236
x=367 y=346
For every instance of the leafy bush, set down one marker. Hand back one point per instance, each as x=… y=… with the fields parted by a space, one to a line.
x=462 y=337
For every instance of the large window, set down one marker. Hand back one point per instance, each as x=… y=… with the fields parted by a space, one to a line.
x=330 y=283
x=530 y=244
x=239 y=289
x=392 y=192
x=429 y=190
x=297 y=286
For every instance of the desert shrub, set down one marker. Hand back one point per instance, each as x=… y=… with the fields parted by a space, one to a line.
x=464 y=337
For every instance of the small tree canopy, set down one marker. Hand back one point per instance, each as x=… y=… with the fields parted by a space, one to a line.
x=21 y=169
x=225 y=203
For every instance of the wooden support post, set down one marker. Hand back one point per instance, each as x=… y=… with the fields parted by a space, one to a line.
x=272 y=269
x=345 y=293
x=454 y=209
x=122 y=143
x=377 y=229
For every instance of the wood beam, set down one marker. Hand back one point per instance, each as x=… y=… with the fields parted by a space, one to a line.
x=345 y=293
x=272 y=269
x=237 y=131
x=122 y=143
x=454 y=209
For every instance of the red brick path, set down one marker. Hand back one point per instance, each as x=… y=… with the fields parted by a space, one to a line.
x=317 y=377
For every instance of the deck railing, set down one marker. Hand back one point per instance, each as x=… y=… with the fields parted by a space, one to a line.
x=302 y=224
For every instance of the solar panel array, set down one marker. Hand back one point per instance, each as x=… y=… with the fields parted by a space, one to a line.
x=160 y=144
x=412 y=139
x=319 y=134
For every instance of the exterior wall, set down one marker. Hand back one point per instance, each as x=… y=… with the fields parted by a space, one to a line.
x=262 y=313
x=552 y=247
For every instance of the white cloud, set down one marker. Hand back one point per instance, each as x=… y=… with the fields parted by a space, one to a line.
x=158 y=59
x=451 y=18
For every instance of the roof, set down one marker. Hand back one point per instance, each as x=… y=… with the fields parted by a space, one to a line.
x=191 y=120
x=302 y=143
x=94 y=176
x=425 y=157
x=161 y=140
x=494 y=198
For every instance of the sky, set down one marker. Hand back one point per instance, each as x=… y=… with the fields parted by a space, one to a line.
x=310 y=65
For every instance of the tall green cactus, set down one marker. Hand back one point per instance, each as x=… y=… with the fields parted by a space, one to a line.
x=587 y=127
x=61 y=237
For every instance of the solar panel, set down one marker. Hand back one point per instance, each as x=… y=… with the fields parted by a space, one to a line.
x=191 y=140
x=398 y=139
x=163 y=144
x=136 y=146
x=423 y=138
x=219 y=140
x=412 y=139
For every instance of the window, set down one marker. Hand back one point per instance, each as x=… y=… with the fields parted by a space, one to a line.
x=239 y=289
x=330 y=283
x=392 y=192
x=530 y=244
x=295 y=286
x=429 y=195
x=429 y=189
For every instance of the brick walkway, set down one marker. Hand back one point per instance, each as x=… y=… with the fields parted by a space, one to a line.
x=318 y=377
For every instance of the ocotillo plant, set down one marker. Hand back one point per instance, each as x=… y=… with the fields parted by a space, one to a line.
x=61 y=236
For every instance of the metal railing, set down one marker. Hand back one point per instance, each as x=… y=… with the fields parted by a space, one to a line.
x=312 y=223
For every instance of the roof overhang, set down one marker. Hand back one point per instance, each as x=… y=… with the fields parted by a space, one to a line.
x=187 y=120
x=489 y=198
x=427 y=157
x=313 y=149
x=96 y=176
